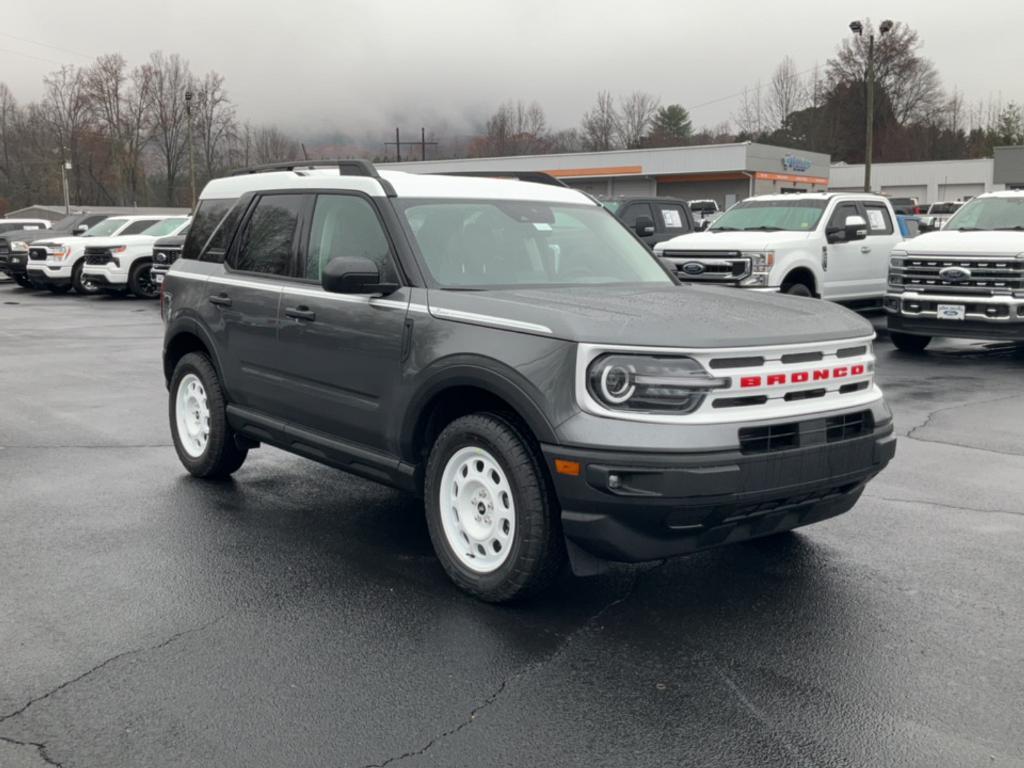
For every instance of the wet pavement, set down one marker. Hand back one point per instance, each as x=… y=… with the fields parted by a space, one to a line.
x=297 y=617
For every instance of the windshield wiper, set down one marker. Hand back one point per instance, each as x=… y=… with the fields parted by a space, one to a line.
x=724 y=229
x=969 y=229
x=762 y=228
x=1014 y=228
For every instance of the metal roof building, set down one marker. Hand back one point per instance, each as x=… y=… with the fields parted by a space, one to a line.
x=56 y=212
x=929 y=181
x=723 y=172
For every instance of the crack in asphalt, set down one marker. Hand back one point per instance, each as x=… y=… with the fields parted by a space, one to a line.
x=937 y=411
x=528 y=669
x=960 y=445
x=164 y=643
x=40 y=748
x=940 y=505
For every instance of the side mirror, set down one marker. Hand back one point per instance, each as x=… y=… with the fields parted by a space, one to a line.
x=856 y=228
x=354 y=275
x=703 y=224
x=644 y=226
x=81 y=229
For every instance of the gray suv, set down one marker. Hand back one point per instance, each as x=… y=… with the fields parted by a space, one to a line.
x=514 y=354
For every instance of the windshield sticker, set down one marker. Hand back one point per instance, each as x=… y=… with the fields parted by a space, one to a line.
x=877 y=219
x=671 y=218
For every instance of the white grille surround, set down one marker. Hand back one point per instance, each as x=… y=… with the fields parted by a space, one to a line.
x=743 y=400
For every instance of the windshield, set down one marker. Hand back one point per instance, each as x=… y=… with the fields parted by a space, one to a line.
x=944 y=207
x=165 y=227
x=612 y=205
x=989 y=213
x=105 y=228
x=703 y=207
x=771 y=215
x=503 y=243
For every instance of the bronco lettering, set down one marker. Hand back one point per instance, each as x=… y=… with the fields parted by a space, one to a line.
x=801 y=377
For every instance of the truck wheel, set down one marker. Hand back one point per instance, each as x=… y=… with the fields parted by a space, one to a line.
x=23 y=281
x=82 y=287
x=141 y=283
x=492 y=517
x=798 y=289
x=906 y=342
x=199 y=425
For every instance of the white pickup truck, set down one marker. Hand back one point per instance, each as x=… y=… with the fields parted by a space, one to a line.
x=833 y=246
x=966 y=281
x=124 y=263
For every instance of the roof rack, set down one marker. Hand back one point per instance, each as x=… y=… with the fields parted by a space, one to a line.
x=345 y=168
x=537 y=177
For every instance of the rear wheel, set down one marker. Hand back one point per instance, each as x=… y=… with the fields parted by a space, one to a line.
x=81 y=284
x=199 y=426
x=906 y=342
x=141 y=282
x=492 y=517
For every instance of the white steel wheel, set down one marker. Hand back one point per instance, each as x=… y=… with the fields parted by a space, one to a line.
x=192 y=415
x=478 y=512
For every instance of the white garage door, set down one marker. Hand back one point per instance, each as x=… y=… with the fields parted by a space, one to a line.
x=910 y=190
x=958 y=191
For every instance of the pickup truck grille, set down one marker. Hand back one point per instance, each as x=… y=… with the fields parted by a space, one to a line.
x=166 y=255
x=781 y=437
x=710 y=266
x=98 y=256
x=5 y=248
x=37 y=254
x=982 y=275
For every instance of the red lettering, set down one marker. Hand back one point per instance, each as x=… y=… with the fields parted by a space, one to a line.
x=750 y=381
x=800 y=378
x=840 y=373
x=821 y=375
x=776 y=378
x=857 y=370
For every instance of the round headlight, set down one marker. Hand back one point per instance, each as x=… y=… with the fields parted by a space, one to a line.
x=651 y=384
x=617 y=383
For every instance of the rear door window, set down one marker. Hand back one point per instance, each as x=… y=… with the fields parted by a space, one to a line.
x=266 y=243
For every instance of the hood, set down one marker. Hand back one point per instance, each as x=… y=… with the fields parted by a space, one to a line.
x=951 y=241
x=29 y=235
x=116 y=240
x=664 y=315
x=171 y=241
x=735 y=241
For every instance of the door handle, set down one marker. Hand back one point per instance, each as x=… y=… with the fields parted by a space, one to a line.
x=221 y=300
x=865 y=249
x=300 y=313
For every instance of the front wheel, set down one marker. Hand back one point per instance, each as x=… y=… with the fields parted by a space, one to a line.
x=82 y=285
x=906 y=342
x=199 y=426
x=23 y=281
x=492 y=518
x=141 y=282
x=797 y=289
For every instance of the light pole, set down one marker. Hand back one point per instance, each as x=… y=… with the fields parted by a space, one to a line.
x=65 y=166
x=191 y=153
x=869 y=132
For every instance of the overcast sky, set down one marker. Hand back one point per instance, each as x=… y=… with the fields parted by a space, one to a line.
x=351 y=65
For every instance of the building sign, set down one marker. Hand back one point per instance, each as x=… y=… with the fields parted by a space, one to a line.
x=790 y=177
x=798 y=164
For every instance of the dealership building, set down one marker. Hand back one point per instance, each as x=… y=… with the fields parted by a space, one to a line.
x=930 y=181
x=723 y=172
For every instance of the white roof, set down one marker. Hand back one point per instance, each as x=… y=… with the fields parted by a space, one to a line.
x=1002 y=193
x=820 y=196
x=405 y=184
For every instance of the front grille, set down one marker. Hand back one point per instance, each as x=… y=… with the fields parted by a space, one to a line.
x=98 y=256
x=5 y=249
x=983 y=275
x=713 y=266
x=797 y=434
x=166 y=255
x=37 y=254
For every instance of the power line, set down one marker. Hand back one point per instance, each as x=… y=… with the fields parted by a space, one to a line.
x=46 y=45
x=30 y=56
x=744 y=91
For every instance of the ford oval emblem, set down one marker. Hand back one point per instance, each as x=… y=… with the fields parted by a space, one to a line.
x=955 y=274
x=693 y=268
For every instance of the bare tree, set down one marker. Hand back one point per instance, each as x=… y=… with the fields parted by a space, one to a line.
x=750 y=115
x=214 y=117
x=599 y=127
x=515 y=128
x=636 y=111
x=786 y=93
x=271 y=145
x=66 y=105
x=170 y=79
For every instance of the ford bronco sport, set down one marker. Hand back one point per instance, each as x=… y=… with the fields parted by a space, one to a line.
x=513 y=353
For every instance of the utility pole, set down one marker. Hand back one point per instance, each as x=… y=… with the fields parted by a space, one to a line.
x=869 y=129
x=65 y=166
x=422 y=144
x=191 y=152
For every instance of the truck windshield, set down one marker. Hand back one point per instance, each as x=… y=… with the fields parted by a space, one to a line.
x=771 y=215
x=502 y=243
x=989 y=213
x=165 y=227
x=943 y=207
x=105 y=228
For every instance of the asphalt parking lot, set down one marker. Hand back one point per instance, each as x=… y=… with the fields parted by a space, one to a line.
x=297 y=617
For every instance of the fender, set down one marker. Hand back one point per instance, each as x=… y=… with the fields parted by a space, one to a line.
x=801 y=259
x=474 y=371
x=185 y=324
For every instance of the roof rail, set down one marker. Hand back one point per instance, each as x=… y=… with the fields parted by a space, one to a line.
x=345 y=168
x=537 y=177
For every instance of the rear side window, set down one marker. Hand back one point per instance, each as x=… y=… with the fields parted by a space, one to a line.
x=211 y=230
x=347 y=226
x=879 y=221
x=266 y=243
x=137 y=227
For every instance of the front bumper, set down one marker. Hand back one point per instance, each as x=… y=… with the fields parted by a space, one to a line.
x=661 y=505
x=986 y=317
x=105 y=279
x=14 y=264
x=44 y=274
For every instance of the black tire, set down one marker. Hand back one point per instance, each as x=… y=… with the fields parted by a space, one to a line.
x=537 y=552
x=798 y=289
x=59 y=290
x=907 y=342
x=81 y=286
x=140 y=281
x=23 y=281
x=221 y=456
